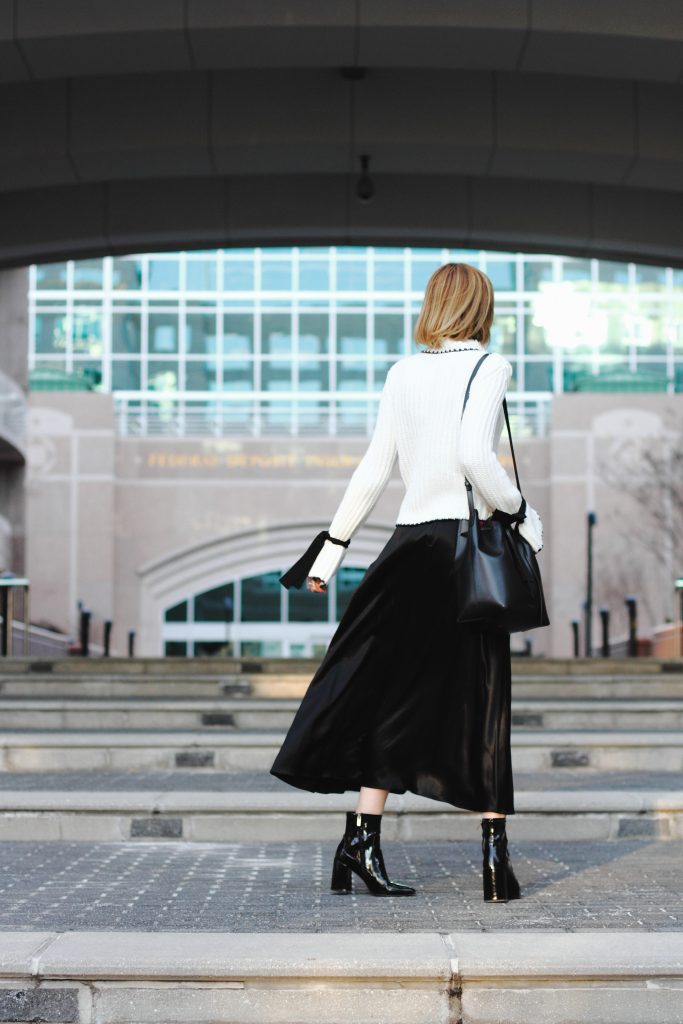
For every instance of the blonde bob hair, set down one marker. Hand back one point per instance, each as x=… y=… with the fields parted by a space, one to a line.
x=458 y=303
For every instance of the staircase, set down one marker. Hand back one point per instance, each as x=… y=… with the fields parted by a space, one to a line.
x=135 y=801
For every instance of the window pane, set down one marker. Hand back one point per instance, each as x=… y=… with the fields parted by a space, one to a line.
x=238 y=375
x=276 y=375
x=504 y=332
x=352 y=275
x=88 y=274
x=238 y=333
x=217 y=605
x=178 y=613
x=51 y=275
x=87 y=331
x=200 y=275
x=352 y=334
x=200 y=375
x=200 y=333
x=303 y=606
x=352 y=375
x=162 y=375
x=535 y=341
x=125 y=375
x=238 y=275
x=421 y=271
x=127 y=274
x=276 y=275
x=389 y=275
x=164 y=275
x=503 y=274
x=535 y=272
x=314 y=275
x=314 y=333
x=576 y=270
x=650 y=279
x=276 y=333
x=538 y=376
x=261 y=597
x=125 y=332
x=175 y=649
x=389 y=334
x=50 y=332
x=314 y=375
x=91 y=369
x=346 y=579
x=612 y=272
x=163 y=333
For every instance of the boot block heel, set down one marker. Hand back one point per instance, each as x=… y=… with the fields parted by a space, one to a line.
x=341 y=877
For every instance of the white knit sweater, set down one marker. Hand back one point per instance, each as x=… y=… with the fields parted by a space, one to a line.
x=418 y=420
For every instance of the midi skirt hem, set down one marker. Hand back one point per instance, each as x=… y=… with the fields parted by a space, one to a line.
x=406 y=698
x=330 y=784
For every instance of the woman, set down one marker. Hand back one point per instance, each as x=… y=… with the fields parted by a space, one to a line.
x=405 y=698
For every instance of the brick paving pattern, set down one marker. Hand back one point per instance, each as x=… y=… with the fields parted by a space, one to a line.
x=259 y=886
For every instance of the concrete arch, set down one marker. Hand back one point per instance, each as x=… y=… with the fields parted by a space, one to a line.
x=168 y=580
x=530 y=124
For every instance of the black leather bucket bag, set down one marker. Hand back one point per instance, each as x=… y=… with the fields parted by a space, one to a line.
x=497 y=578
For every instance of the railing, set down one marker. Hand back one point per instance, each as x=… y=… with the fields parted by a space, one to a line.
x=282 y=413
x=13 y=408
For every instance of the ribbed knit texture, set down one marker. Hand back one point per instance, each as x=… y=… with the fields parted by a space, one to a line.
x=418 y=421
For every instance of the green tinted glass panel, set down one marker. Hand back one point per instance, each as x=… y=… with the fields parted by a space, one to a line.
x=389 y=334
x=125 y=375
x=217 y=605
x=126 y=274
x=178 y=613
x=163 y=333
x=276 y=334
x=50 y=334
x=307 y=606
x=346 y=579
x=314 y=333
x=51 y=275
x=352 y=336
x=261 y=597
x=164 y=275
x=200 y=333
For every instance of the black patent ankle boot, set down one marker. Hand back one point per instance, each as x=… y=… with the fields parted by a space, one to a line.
x=500 y=884
x=360 y=851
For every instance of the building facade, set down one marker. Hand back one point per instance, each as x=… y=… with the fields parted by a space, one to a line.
x=195 y=417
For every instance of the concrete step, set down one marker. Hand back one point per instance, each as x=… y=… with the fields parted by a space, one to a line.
x=246 y=713
x=160 y=666
x=201 y=816
x=230 y=749
x=292 y=685
x=507 y=977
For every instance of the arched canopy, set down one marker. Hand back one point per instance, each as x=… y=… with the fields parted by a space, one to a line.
x=537 y=125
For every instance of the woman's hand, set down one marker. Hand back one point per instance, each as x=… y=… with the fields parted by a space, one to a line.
x=315 y=584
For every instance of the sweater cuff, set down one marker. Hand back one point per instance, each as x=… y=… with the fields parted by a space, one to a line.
x=327 y=561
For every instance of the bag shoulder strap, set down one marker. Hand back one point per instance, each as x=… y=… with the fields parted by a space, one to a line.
x=505 y=410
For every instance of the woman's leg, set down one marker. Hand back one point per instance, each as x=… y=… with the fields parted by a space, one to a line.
x=371 y=801
x=492 y=814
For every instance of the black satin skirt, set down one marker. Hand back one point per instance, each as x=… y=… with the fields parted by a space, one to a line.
x=405 y=698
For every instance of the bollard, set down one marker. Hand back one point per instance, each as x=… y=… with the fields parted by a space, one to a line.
x=131 y=642
x=85 y=633
x=575 y=636
x=631 y=606
x=107 y=637
x=588 y=603
x=604 y=618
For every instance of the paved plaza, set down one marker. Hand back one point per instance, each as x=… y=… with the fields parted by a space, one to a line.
x=253 y=887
